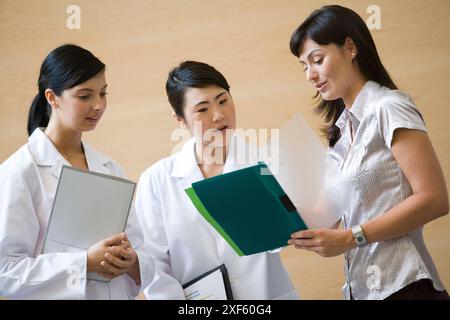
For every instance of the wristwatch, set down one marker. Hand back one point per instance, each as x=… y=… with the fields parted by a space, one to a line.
x=358 y=235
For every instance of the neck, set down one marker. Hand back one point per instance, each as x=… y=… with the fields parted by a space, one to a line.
x=353 y=91
x=66 y=141
x=211 y=160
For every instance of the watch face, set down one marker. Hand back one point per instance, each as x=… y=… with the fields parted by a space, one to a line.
x=360 y=239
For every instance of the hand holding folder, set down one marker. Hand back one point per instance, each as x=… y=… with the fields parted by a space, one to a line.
x=248 y=208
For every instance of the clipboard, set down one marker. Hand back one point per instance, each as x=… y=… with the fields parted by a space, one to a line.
x=88 y=207
x=202 y=289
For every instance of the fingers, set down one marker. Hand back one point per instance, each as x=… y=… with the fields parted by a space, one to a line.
x=125 y=245
x=305 y=234
x=115 y=239
x=109 y=268
x=122 y=253
x=117 y=262
x=305 y=242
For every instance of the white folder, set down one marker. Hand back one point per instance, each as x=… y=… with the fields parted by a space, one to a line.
x=300 y=167
x=88 y=207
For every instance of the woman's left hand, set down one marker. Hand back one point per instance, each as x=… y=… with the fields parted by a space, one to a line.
x=325 y=242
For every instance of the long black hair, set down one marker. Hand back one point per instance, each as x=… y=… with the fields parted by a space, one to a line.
x=332 y=25
x=65 y=67
x=191 y=74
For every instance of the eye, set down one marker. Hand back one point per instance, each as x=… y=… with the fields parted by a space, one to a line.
x=318 y=61
x=103 y=94
x=83 y=97
x=304 y=66
x=202 y=110
x=223 y=101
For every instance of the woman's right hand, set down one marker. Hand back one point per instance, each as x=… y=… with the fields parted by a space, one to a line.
x=96 y=253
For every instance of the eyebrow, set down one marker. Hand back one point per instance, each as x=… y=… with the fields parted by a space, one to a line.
x=206 y=102
x=88 y=89
x=309 y=55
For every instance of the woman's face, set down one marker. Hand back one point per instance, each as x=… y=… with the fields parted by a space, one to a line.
x=329 y=68
x=212 y=109
x=80 y=108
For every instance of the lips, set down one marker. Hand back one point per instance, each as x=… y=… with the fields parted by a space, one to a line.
x=320 y=85
x=222 y=128
x=93 y=118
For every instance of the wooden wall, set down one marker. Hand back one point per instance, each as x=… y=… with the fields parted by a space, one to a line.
x=246 y=40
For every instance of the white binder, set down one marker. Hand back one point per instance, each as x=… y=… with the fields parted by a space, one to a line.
x=88 y=207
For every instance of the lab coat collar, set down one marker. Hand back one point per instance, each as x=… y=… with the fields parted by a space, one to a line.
x=97 y=162
x=185 y=160
x=46 y=154
x=185 y=163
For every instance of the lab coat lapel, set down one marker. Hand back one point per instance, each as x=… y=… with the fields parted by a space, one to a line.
x=240 y=155
x=45 y=153
x=95 y=160
x=185 y=165
x=186 y=168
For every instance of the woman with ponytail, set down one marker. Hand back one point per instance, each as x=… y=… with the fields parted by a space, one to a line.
x=71 y=100
x=379 y=147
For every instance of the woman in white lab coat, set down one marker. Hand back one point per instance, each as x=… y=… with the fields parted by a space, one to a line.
x=184 y=245
x=71 y=100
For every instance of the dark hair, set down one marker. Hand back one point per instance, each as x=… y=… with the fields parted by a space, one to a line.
x=191 y=74
x=65 y=67
x=332 y=25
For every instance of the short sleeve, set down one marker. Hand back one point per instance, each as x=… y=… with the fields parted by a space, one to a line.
x=397 y=110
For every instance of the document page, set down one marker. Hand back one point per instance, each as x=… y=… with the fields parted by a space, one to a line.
x=209 y=287
x=298 y=162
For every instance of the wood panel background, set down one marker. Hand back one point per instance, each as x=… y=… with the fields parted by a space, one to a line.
x=246 y=40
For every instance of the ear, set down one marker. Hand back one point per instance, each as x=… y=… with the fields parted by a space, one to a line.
x=52 y=98
x=179 y=120
x=350 y=48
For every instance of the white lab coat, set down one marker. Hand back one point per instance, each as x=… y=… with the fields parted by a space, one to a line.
x=186 y=246
x=28 y=181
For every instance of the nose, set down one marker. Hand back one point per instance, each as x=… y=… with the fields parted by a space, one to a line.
x=99 y=104
x=311 y=74
x=217 y=114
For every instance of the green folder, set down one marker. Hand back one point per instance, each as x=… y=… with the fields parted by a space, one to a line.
x=248 y=208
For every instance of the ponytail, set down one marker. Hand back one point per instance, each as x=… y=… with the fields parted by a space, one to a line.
x=39 y=114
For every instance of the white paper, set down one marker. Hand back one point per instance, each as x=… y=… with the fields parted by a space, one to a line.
x=88 y=207
x=300 y=168
x=211 y=287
